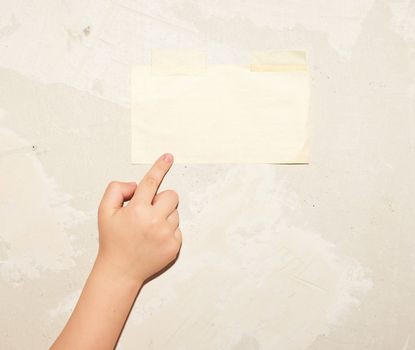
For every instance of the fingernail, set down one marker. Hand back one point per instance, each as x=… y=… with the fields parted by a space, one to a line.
x=168 y=157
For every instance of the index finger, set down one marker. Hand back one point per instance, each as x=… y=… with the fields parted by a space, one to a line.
x=148 y=186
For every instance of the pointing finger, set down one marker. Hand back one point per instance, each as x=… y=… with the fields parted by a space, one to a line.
x=148 y=186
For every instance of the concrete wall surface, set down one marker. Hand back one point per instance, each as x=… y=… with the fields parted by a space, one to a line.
x=316 y=257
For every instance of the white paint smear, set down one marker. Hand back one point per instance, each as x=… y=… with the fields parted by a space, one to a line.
x=66 y=306
x=34 y=214
x=257 y=282
x=51 y=41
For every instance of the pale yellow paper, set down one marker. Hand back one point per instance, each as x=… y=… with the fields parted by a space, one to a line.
x=223 y=114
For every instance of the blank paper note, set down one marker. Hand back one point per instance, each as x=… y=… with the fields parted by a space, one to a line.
x=221 y=113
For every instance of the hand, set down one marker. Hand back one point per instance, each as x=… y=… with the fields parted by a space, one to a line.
x=139 y=239
x=135 y=241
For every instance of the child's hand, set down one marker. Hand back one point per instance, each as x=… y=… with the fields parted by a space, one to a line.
x=135 y=242
x=139 y=239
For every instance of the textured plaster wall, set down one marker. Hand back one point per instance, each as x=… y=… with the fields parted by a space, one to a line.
x=316 y=257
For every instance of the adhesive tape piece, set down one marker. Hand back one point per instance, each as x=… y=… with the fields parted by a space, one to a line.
x=177 y=62
x=278 y=61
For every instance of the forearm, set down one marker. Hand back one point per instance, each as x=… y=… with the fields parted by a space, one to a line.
x=136 y=240
x=101 y=311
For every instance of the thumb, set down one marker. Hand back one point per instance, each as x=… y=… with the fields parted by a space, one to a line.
x=115 y=195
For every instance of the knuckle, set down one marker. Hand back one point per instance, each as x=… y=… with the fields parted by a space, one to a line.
x=137 y=208
x=113 y=185
x=151 y=180
x=154 y=222
x=173 y=249
x=139 y=213
x=173 y=194
x=164 y=232
x=174 y=218
x=100 y=211
x=147 y=221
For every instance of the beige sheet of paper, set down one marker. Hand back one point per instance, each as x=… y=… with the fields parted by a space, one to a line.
x=222 y=113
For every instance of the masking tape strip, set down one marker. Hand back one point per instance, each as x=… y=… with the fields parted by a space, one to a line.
x=177 y=62
x=278 y=61
x=193 y=62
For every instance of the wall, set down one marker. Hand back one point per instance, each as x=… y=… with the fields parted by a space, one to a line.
x=274 y=257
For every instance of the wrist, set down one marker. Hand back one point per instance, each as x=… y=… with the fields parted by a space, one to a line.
x=115 y=273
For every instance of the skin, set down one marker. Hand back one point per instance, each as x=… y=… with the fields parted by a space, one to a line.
x=136 y=241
